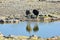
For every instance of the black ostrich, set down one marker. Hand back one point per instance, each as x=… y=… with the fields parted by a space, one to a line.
x=1 y=21
x=35 y=12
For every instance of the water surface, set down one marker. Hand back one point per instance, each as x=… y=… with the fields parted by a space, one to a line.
x=45 y=29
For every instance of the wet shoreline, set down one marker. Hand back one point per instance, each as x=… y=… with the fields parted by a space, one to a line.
x=31 y=20
x=33 y=37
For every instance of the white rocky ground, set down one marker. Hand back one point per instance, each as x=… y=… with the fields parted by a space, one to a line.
x=18 y=7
